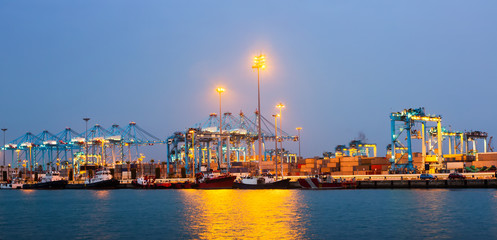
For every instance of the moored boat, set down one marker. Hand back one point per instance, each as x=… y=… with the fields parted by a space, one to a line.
x=159 y=184
x=50 y=181
x=263 y=182
x=182 y=185
x=102 y=180
x=16 y=184
x=325 y=182
x=210 y=181
x=145 y=182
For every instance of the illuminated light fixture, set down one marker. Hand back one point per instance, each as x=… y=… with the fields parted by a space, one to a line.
x=259 y=63
x=220 y=90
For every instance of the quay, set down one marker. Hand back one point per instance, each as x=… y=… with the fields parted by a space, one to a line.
x=205 y=148
x=388 y=181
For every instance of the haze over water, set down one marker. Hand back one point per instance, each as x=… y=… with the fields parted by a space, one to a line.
x=249 y=214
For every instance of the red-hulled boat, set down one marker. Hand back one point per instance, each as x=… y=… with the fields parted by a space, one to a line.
x=182 y=185
x=145 y=182
x=163 y=185
x=325 y=183
x=223 y=181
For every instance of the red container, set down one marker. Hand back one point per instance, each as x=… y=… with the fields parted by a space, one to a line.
x=376 y=167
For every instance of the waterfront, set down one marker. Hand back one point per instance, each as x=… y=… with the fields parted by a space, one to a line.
x=249 y=214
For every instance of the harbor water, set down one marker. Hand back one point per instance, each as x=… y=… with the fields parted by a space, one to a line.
x=249 y=214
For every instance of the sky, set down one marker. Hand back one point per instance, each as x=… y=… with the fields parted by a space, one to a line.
x=340 y=67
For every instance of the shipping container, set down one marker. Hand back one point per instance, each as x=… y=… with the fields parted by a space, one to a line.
x=455 y=165
x=348 y=169
x=380 y=161
x=492 y=156
x=377 y=167
x=331 y=165
x=349 y=164
x=480 y=164
x=362 y=168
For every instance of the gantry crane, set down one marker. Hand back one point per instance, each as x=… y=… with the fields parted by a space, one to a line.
x=404 y=122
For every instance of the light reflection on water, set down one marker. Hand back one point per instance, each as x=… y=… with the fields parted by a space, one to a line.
x=101 y=194
x=28 y=191
x=431 y=206
x=244 y=214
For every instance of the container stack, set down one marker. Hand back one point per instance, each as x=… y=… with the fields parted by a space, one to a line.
x=380 y=165
x=347 y=165
x=342 y=166
x=486 y=160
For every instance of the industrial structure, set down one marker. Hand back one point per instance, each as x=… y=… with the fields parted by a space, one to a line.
x=419 y=143
x=438 y=148
x=203 y=144
x=46 y=151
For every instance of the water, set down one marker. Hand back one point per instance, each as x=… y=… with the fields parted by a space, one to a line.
x=248 y=214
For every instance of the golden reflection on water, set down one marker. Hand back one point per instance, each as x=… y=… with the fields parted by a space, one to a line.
x=244 y=214
x=101 y=194
x=28 y=191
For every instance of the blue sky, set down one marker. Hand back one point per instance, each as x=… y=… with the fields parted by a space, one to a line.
x=340 y=67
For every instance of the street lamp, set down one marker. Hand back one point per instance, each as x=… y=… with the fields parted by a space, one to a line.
x=276 y=144
x=220 y=90
x=18 y=158
x=25 y=169
x=298 y=129
x=192 y=134
x=281 y=106
x=4 y=129
x=86 y=143
x=259 y=63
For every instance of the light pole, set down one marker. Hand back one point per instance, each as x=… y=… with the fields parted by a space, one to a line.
x=259 y=63
x=192 y=133
x=281 y=106
x=276 y=144
x=4 y=129
x=18 y=158
x=298 y=129
x=86 y=143
x=220 y=90
x=25 y=169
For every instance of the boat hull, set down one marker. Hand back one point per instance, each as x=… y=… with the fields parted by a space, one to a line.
x=107 y=184
x=216 y=183
x=163 y=185
x=60 y=184
x=281 y=184
x=182 y=185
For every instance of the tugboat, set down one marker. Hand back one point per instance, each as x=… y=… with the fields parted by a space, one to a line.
x=262 y=182
x=145 y=182
x=50 y=181
x=159 y=184
x=325 y=182
x=16 y=184
x=210 y=181
x=5 y=186
x=102 y=180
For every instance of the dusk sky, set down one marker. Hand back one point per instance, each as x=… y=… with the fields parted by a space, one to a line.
x=340 y=67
